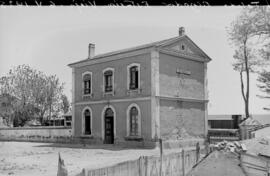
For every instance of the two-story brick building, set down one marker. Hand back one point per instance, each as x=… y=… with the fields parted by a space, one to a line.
x=141 y=94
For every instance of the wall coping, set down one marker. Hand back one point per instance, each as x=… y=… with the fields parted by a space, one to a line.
x=36 y=128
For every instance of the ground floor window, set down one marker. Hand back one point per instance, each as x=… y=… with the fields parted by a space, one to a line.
x=133 y=121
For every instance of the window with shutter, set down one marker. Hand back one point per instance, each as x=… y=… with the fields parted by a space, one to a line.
x=134 y=78
x=87 y=84
x=108 y=77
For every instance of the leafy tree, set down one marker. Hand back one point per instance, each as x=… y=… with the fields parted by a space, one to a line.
x=38 y=95
x=65 y=104
x=260 y=16
x=264 y=85
x=7 y=106
x=260 y=20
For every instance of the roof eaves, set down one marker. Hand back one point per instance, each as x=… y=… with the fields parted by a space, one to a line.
x=110 y=54
x=158 y=43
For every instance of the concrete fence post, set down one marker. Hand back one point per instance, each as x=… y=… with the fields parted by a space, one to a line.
x=142 y=166
x=197 y=152
x=207 y=150
x=183 y=162
x=62 y=170
x=161 y=156
x=268 y=168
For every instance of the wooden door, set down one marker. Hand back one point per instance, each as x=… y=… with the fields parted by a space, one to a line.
x=109 y=126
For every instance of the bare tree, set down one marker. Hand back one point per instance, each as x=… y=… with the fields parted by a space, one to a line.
x=240 y=33
x=250 y=34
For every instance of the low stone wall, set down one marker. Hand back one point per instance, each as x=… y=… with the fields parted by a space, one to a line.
x=179 y=164
x=36 y=134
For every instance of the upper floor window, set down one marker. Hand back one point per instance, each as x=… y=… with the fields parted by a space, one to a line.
x=108 y=80
x=87 y=81
x=183 y=47
x=133 y=76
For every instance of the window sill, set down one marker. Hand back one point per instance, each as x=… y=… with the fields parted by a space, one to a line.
x=87 y=96
x=134 y=91
x=106 y=94
x=89 y=136
x=133 y=138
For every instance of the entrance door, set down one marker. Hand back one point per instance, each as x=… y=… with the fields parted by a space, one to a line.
x=109 y=127
x=87 y=122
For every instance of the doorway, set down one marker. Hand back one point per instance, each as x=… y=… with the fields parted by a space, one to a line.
x=109 y=126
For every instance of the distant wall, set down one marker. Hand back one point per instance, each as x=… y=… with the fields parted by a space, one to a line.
x=42 y=134
x=221 y=124
x=172 y=164
x=219 y=134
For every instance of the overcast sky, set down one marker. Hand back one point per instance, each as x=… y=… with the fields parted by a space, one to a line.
x=49 y=38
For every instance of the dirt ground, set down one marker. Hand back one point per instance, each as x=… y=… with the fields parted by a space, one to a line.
x=218 y=163
x=26 y=159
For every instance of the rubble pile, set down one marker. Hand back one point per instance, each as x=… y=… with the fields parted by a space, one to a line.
x=235 y=146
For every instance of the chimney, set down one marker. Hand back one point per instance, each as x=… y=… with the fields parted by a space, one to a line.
x=181 y=31
x=91 y=50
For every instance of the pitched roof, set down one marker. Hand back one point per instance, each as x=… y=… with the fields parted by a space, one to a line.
x=260 y=127
x=262 y=118
x=153 y=44
x=256 y=147
x=250 y=122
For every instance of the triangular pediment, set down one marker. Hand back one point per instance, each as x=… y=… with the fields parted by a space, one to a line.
x=186 y=46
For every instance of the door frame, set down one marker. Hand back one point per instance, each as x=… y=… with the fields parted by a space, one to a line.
x=103 y=121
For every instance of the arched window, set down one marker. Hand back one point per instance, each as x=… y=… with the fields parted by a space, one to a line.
x=87 y=83
x=134 y=122
x=108 y=81
x=134 y=78
x=87 y=122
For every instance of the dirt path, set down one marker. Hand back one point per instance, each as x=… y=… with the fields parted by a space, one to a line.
x=26 y=159
x=218 y=163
